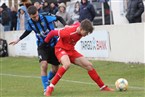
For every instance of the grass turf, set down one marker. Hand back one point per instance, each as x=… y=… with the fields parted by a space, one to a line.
x=20 y=77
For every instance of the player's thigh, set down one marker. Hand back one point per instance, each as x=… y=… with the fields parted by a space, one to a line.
x=65 y=61
x=43 y=64
x=84 y=63
x=52 y=57
x=42 y=54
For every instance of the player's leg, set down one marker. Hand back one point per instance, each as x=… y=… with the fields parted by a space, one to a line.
x=84 y=63
x=52 y=72
x=55 y=64
x=43 y=66
x=64 y=59
x=43 y=59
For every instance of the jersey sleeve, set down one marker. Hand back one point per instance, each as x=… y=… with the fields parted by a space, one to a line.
x=26 y=33
x=28 y=28
x=65 y=32
x=51 y=18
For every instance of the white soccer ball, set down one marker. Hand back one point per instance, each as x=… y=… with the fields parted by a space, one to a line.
x=121 y=84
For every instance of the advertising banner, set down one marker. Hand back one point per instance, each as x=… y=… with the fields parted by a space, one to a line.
x=27 y=46
x=96 y=45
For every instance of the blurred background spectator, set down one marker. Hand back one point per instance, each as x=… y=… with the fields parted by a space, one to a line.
x=87 y=11
x=65 y=15
x=39 y=6
x=134 y=11
x=75 y=15
x=14 y=18
x=22 y=18
x=53 y=8
x=6 y=17
x=45 y=7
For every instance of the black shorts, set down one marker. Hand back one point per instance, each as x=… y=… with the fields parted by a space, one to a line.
x=47 y=54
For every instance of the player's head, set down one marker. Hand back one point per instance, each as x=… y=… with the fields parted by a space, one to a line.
x=33 y=13
x=84 y=1
x=86 y=27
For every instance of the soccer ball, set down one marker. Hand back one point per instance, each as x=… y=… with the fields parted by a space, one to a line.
x=121 y=84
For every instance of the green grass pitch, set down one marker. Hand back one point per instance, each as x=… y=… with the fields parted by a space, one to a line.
x=20 y=77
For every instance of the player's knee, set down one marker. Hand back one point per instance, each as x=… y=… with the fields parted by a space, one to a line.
x=44 y=65
x=66 y=66
x=89 y=66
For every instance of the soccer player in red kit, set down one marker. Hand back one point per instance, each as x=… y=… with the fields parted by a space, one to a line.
x=66 y=53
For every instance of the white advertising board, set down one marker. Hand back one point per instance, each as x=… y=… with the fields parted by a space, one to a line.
x=27 y=46
x=95 y=45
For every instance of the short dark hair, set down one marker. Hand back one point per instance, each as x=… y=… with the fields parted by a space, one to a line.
x=32 y=10
x=86 y=25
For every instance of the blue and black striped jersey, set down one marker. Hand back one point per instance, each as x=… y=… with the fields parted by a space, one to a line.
x=42 y=27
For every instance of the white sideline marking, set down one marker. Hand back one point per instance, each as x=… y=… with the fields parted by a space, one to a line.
x=78 y=82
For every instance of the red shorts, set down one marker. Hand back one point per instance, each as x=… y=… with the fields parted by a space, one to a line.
x=73 y=54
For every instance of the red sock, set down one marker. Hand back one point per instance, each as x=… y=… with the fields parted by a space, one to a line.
x=58 y=75
x=93 y=74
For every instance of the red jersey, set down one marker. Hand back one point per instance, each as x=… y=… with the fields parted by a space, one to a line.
x=68 y=37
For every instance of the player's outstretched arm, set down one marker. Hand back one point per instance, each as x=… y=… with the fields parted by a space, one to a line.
x=14 y=42
x=21 y=37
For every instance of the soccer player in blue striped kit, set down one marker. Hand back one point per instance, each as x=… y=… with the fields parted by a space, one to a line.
x=42 y=25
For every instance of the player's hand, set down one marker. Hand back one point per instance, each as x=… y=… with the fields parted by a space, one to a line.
x=14 y=42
